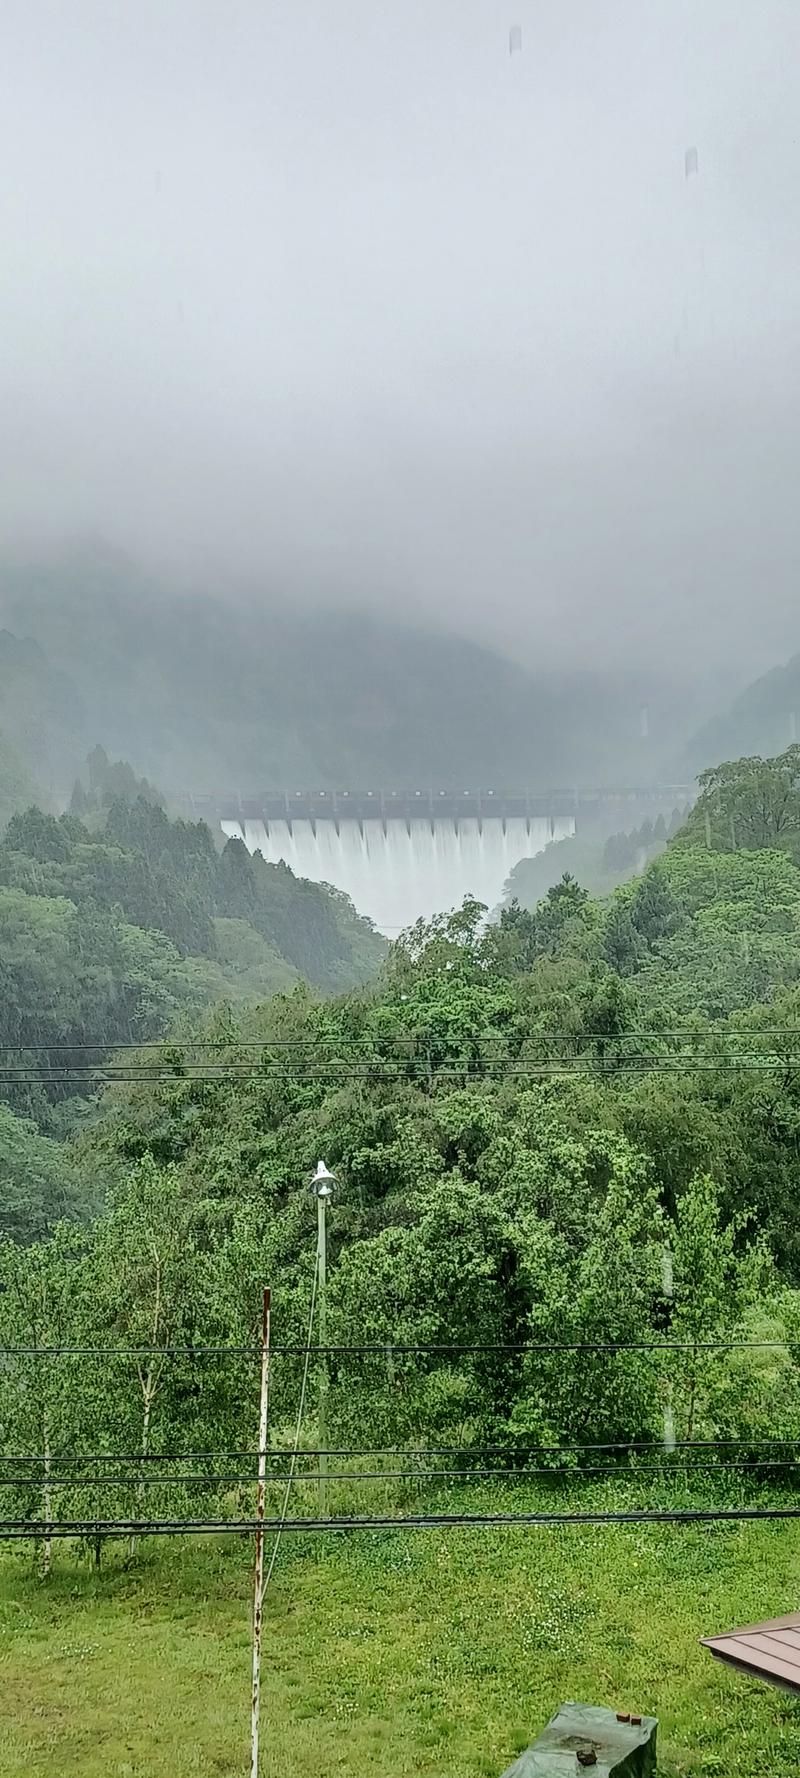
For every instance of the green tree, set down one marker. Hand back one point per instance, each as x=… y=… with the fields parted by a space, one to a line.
x=41 y=1400
x=142 y=1297
x=39 y=1185
x=593 y=1286
x=751 y=804
x=715 y=1284
x=623 y=947
x=39 y=836
x=653 y=908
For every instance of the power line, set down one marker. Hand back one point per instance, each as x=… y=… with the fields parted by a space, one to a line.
x=15 y=1529
x=388 y=1349
x=135 y=1351
x=617 y=1445
x=684 y=1033
x=455 y=1072
x=418 y=1057
x=515 y=1473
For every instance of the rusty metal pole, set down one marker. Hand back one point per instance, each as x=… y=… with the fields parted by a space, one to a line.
x=258 y=1584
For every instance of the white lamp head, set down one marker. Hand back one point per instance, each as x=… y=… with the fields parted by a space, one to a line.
x=323 y=1181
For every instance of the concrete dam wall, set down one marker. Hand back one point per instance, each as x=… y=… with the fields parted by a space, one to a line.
x=405 y=855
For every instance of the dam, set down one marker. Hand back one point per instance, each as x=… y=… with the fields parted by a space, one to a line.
x=402 y=856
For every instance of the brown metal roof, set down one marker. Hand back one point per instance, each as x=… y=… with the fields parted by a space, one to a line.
x=769 y=1651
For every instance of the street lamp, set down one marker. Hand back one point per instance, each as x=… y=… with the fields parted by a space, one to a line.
x=322 y=1184
x=323 y=1181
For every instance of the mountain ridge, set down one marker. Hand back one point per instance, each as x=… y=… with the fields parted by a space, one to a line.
x=203 y=695
x=763 y=718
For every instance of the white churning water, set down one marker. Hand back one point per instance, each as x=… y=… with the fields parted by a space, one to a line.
x=401 y=872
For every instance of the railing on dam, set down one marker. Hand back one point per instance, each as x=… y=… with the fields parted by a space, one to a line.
x=419 y=805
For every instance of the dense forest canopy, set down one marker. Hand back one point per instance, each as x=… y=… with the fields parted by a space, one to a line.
x=117 y=924
x=524 y=1117
x=600 y=854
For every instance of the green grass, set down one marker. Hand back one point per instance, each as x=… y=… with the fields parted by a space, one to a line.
x=438 y=1653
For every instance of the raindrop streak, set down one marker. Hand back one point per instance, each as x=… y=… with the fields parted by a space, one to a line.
x=690 y=162
x=515 y=40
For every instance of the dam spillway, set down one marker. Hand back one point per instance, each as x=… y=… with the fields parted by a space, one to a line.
x=399 y=858
x=399 y=873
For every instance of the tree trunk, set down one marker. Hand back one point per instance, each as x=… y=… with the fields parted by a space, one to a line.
x=692 y=1398
x=148 y=1393
x=149 y=1384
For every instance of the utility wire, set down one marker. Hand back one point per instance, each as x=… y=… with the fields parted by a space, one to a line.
x=455 y=1073
x=15 y=1529
x=388 y=1349
x=536 y=1034
x=619 y=1445
x=553 y=1472
x=135 y=1351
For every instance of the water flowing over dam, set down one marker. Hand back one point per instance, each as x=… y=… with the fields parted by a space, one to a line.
x=399 y=858
x=400 y=872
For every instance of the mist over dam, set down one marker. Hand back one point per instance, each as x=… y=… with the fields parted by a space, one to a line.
x=404 y=856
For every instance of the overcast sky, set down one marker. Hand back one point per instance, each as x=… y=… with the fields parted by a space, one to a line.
x=341 y=297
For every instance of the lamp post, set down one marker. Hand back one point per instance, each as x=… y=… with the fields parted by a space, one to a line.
x=323 y=1183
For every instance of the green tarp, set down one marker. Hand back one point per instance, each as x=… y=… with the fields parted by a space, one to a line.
x=621 y=1749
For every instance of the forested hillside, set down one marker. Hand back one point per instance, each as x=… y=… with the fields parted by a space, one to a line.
x=600 y=859
x=524 y=1119
x=118 y=926
x=763 y=718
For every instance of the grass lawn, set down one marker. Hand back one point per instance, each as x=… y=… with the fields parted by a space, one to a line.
x=439 y=1652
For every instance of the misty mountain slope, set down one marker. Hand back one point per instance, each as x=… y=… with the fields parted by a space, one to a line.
x=599 y=859
x=763 y=719
x=17 y=785
x=114 y=932
x=42 y=721
x=205 y=695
